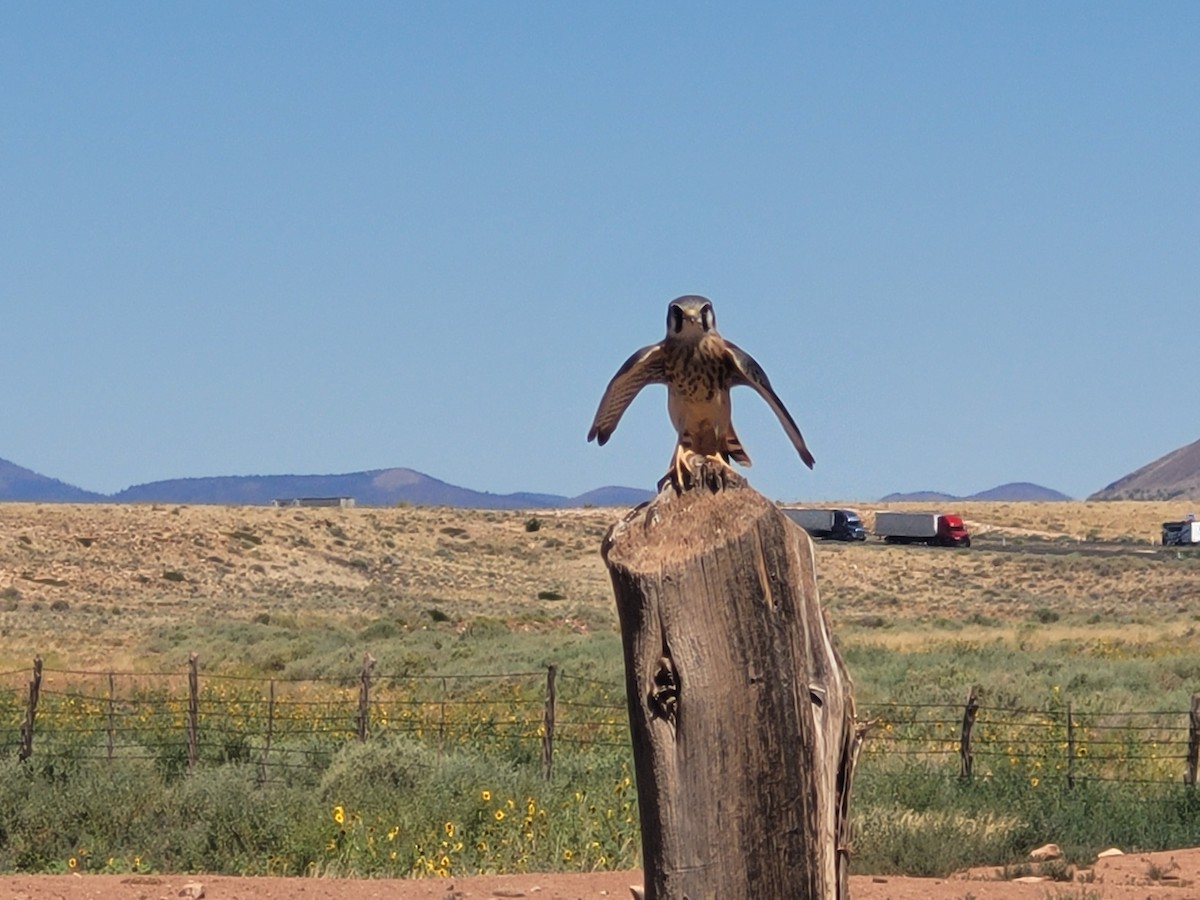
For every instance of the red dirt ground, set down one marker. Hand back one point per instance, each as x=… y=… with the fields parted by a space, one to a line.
x=1166 y=875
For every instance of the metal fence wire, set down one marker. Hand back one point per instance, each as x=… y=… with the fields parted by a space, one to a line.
x=186 y=718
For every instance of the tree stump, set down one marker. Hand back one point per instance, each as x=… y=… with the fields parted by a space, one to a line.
x=740 y=708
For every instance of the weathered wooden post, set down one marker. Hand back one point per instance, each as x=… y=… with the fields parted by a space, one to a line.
x=966 y=759
x=442 y=721
x=740 y=708
x=35 y=690
x=262 y=760
x=193 y=712
x=1193 y=748
x=364 y=696
x=110 y=731
x=1070 y=748
x=548 y=723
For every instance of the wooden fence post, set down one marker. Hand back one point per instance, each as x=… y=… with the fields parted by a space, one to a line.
x=741 y=711
x=548 y=724
x=364 y=696
x=965 y=759
x=112 y=701
x=442 y=721
x=35 y=690
x=1193 y=749
x=262 y=760
x=193 y=711
x=1070 y=747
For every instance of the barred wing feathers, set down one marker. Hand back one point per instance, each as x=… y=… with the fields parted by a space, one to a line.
x=748 y=372
x=643 y=368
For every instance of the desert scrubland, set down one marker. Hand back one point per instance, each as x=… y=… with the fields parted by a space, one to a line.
x=1076 y=631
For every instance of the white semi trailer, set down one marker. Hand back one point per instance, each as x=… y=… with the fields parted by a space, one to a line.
x=935 y=529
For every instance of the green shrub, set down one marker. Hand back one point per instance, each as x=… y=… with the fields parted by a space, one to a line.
x=361 y=773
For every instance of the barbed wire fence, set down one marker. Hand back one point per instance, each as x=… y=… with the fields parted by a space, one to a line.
x=186 y=718
x=1060 y=743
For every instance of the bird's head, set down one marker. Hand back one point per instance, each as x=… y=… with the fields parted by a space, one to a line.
x=690 y=318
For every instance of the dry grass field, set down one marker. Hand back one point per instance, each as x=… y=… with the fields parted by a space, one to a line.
x=116 y=575
x=1054 y=604
x=100 y=585
x=1097 y=564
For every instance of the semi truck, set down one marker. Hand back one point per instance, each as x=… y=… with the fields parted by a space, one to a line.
x=830 y=524
x=1181 y=533
x=934 y=529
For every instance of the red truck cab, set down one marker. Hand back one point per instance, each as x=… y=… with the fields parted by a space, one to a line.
x=952 y=532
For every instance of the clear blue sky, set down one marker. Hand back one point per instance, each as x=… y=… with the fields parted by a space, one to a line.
x=248 y=238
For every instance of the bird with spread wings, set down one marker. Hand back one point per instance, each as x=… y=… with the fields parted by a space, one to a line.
x=698 y=366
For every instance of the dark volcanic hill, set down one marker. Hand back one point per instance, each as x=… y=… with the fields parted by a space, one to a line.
x=1014 y=491
x=612 y=495
x=917 y=497
x=19 y=483
x=379 y=487
x=1175 y=475
x=1019 y=490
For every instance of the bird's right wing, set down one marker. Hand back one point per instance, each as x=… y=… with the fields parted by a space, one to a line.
x=643 y=368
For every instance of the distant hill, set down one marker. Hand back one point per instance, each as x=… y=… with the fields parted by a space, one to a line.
x=1019 y=490
x=18 y=483
x=379 y=487
x=1173 y=476
x=1012 y=492
x=612 y=496
x=917 y=497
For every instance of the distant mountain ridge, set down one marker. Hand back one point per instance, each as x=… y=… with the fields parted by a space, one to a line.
x=378 y=487
x=19 y=483
x=1013 y=492
x=1175 y=475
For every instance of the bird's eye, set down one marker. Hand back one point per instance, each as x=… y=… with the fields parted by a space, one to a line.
x=708 y=318
x=675 y=320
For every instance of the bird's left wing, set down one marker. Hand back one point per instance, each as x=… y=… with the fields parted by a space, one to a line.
x=643 y=368
x=747 y=371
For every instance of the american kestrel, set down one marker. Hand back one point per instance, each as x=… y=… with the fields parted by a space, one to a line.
x=698 y=366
